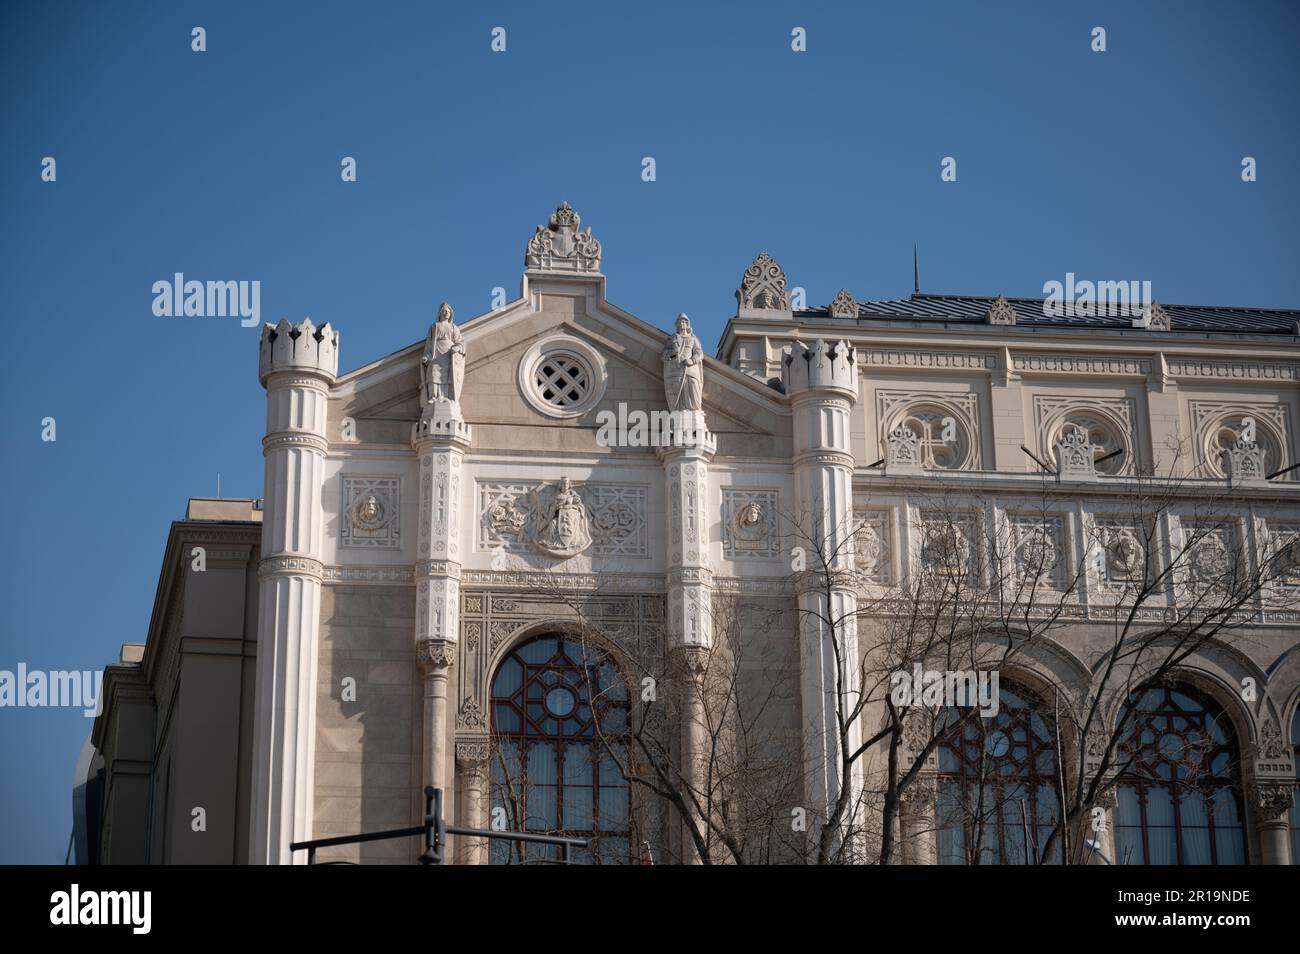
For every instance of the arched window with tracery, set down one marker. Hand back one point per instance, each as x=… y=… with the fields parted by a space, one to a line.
x=998 y=796
x=1179 y=797
x=559 y=725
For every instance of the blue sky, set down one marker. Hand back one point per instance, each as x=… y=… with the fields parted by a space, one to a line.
x=225 y=165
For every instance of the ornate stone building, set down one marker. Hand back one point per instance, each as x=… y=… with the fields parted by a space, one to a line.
x=434 y=522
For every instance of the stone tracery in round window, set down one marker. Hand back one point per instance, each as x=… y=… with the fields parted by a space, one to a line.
x=1105 y=438
x=562 y=380
x=944 y=439
x=1228 y=430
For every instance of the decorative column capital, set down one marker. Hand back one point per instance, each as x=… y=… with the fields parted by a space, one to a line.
x=921 y=793
x=1274 y=798
x=693 y=659
x=472 y=754
x=435 y=656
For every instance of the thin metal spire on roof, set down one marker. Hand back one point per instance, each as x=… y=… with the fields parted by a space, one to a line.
x=916 y=272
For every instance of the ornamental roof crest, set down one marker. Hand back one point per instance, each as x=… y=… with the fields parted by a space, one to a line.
x=561 y=247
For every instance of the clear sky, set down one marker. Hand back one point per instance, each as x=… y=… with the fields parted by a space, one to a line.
x=225 y=165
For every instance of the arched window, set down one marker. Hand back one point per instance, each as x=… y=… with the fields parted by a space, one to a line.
x=998 y=785
x=553 y=765
x=1295 y=802
x=1179 y=798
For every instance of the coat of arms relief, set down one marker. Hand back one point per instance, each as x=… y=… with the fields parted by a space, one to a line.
x=562 y=519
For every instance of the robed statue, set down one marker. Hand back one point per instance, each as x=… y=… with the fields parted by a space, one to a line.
x=443 y=361
x=684 y=369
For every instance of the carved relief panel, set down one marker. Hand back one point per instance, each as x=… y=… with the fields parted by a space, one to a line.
x=873 y=546
x=370 y=512
x=749 y=523
x=562 y=519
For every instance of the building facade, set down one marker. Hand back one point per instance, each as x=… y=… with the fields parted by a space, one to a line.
x=458 y=542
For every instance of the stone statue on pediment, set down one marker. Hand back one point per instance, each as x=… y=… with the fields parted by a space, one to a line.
x=443 y=362
x=684 y=369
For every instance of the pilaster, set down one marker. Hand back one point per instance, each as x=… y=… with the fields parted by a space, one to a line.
x=690 y=586
x=440 y=440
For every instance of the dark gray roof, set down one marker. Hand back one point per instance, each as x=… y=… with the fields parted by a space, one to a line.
x=972 y=309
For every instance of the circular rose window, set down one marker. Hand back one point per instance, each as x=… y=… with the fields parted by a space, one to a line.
x=562 y=377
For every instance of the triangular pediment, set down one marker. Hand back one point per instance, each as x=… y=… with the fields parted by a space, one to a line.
x=604 y=359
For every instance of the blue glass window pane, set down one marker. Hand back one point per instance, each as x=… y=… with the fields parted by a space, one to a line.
x=538 y=651
x=577 y=808
x=510 y=676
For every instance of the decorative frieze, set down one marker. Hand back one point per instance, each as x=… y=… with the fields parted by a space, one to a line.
x=1080 y=364
x=937 y=360
x=368 y=574
x=1233 y=370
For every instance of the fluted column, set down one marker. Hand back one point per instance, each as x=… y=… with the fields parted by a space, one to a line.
x=298 y=365
x=822 y=382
